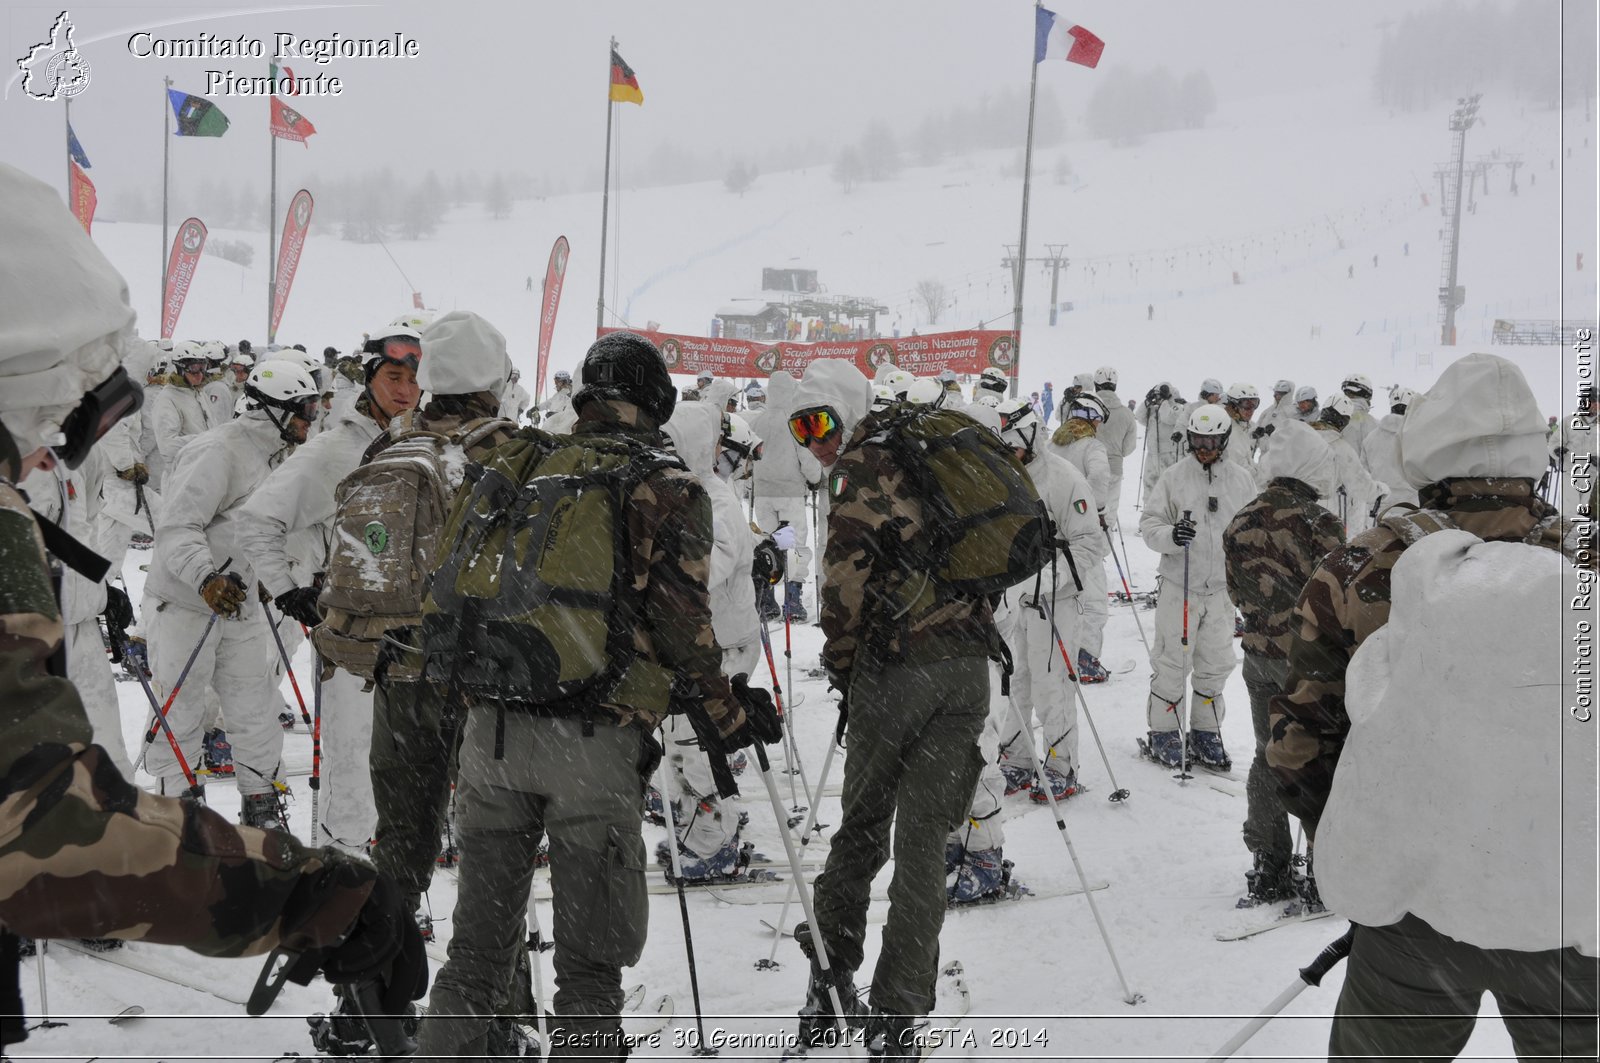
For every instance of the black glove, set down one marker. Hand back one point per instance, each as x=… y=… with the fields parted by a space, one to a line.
x=384 y=944
x=1177 y=437
x=300 y=603
x=1263 y=430
x=761 y=720
x=767 y=566
x=1153 y=396
x=1560 y=452
x=844 y=721
x=1183 y=532
x=225 y=593
x=118 y=611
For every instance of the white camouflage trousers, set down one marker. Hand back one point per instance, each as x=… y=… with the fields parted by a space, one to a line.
x=1210 y=653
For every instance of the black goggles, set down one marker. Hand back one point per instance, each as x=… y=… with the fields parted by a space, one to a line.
x=110 y=401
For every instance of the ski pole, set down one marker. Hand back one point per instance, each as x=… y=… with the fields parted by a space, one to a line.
x=1311 y=974
x=771 y=963
x=1128 y=995
x=42 y=946
x=1118 y=793
x=161 y=713
x=536 y=946
x=283 y=656
x=788 y=727
x=798 y=874
x=140 y=502
x=161 y=718
x=1177 y=710
x=683 y=905
x=1125 y=588
x=315 y=781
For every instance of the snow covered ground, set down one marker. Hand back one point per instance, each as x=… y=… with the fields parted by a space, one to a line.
x=1264 y=192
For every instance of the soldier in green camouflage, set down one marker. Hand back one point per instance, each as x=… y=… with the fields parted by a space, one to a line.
x=1270 y=549
x=577 y=770
x=1473 y=447
x=911 y=663
x=82 y=852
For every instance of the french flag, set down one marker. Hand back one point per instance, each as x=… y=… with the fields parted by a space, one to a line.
x=1056 y=37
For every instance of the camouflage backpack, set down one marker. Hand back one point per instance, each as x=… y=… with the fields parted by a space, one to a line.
x=385 y=540
x=988 y=529
x=532 y=603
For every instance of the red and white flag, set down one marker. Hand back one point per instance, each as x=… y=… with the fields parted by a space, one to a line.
x=295 y=224
x=1058 y=37
x=181 y=264
x=554 y=275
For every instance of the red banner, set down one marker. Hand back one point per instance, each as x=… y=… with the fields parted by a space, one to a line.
x=181 y=264
x=82 y=193
x=967 y=352
x=554 y=274
x=290 y=124
x=295 y=224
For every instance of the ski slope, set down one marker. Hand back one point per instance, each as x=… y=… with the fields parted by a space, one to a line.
x=1264 y=191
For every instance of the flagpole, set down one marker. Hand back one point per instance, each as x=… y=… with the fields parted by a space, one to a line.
x=68 y=101
x=605 y=198
x=1022 y=240
x=166 y=176
x=272 y=233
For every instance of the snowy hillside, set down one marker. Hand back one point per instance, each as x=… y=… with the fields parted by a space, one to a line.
x=1272 y=190
x=1298 y=194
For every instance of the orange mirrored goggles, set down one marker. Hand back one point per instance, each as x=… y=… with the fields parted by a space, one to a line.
x=404 y=350
x=814 y=426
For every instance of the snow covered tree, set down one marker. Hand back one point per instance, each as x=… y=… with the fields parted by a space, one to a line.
x=880 y=156
x=497 y=199
x=848 y=169
x=739 y=178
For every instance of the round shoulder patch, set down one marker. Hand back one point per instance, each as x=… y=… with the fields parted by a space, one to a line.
x=376 y=537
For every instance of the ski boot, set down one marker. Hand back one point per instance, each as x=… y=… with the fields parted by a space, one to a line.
x=1166 y=747
x=1268 y=882
x=265 y=811
x=286 y=719
x=1019 y=777
x=506 y=1039
x=720 y=866
x=141 y=540
x=425 y=926
x=982 y=873
x=892 y=1038
x=1207 y=749
x=652 y=806
x=793 y=607
x=1090 y=670
x=819 y=1023
x=343 y=1032
x=136 y=657
x=737 y=762
x=767 y=603
x=217 y=752
x=1062 y=785
x=1308 y=899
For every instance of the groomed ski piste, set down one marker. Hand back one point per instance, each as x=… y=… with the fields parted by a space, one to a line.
x=1040 y=981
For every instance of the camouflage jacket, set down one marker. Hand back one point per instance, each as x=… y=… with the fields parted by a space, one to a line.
x=1269 y=550
x=670 y=536
x=876 y=597
x=85 y=854
x=1346 y=600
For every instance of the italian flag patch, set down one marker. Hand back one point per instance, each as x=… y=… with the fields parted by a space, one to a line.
x=837 y=484
x=1081 y=506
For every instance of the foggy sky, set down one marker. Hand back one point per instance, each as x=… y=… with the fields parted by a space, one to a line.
x=522 y=85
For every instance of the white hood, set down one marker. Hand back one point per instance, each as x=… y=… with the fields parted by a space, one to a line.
x=693 y=429
x=1295 y=450
x=461 y=354
x=718 y=392
x=1479 y=419
x=65 y=322
x=837 y=383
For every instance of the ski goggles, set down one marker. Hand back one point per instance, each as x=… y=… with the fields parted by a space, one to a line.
x=814 y=426
x=1080 y=413
x=112 y=399
x=402 y=350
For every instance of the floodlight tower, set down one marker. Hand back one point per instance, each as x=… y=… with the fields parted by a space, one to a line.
x=1450 y=295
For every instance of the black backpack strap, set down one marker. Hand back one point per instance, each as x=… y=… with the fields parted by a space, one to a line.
x=69 y=551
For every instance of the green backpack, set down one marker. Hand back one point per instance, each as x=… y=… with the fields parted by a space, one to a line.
x=988 y=529
x=532 y=603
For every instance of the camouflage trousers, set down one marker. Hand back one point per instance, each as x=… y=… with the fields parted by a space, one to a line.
x=412 y=764
x=1266 y=826
x=586 y=792
x=1410 y=993
x=914 y=760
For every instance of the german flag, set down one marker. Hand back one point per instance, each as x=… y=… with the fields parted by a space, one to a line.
x=624 y=86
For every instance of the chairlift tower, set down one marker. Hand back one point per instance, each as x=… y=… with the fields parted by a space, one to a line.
x=1451 y=296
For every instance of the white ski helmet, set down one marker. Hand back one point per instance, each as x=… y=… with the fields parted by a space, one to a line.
x=1305 y=393
x=739 y=437
x=1209 y=429
x=1211 y=386
x=1337 y=412
x=925 y=391
x=993 y=379
x=704 y=377
x=988 y=398
x=188 y=356
x=415 y=320
x=240 y=404
x=1086 y=407
x=1240 y=392
x=1282 y=388
x=1019 y=425
x=899 y=381
x=400 y=344
x=1400 y=398
x=1357 y=384
x=242 y=358
x=1105 y=379
x=286 y=387
x=882 y=397
x=314 y=366
x=754 y=390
